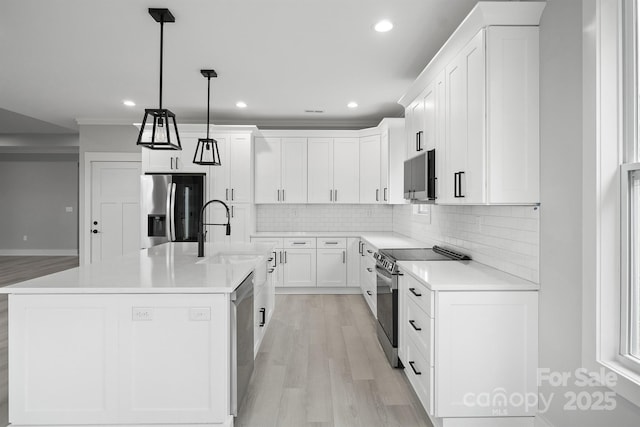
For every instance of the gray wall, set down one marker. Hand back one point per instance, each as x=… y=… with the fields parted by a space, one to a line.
x=36 y=190
x=561 y=239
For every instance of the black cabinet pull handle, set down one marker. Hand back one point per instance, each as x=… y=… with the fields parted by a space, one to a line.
x=419 y=140
x=263 y=313
x=413 y=291
x=274 y=259
x=457 y=184
x=415 y=371
x=413 y=323
x=368 y=251
x=369 y=293
x=369 y=270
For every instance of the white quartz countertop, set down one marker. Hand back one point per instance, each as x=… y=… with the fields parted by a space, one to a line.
x=464 y=276
x=377 y=239
x=166 y=268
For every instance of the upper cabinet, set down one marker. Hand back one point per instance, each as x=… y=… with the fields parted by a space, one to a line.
x=231 y=181
x=280 y=170
x=332 y=177
x=174 y=161
x=370 y=165
x=478 y=107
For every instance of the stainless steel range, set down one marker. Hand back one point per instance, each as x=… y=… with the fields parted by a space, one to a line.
x=387 y=289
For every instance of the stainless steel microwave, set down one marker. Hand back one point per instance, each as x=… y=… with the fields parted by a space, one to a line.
x=420 y=177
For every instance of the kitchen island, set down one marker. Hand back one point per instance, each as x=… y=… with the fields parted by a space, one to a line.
x=142 y=339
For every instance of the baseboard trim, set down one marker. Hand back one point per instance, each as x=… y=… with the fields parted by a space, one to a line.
x=38 y=252
x=318 y=291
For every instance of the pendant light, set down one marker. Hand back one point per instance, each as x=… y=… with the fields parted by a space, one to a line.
x=207 y=149
x=159 y=130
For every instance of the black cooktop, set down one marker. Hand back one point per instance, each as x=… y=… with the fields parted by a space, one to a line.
x=422 y=254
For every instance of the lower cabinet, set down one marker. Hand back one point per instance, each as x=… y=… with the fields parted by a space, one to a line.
x=299 y=268
x=368 y=281
x=331 y=268
x=467 y=352
x=119 y=359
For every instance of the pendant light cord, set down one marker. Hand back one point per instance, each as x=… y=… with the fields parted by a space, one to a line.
x=208 y=102
x=161 y=45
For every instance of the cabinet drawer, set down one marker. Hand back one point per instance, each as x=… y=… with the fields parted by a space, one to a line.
x=419 y=329
x=368 y=251
x=369 y=293
x=299 y=243
x=420 y=375
x=330 y=243
x=420 y=294
x=275 y=241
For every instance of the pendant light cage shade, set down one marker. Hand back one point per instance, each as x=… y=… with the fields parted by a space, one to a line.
x=159 y=130
x=207 y=153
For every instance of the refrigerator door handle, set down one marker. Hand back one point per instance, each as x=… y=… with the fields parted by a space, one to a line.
x=168 y=210
x=172 y=213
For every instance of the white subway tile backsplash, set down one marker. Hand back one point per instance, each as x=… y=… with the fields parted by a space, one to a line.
x=504 y=237
x=324 y=218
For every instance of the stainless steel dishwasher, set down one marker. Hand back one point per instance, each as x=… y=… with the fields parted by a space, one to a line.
x=241 y=341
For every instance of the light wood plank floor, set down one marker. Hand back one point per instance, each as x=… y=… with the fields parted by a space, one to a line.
x=321 y=365
x=14 y=269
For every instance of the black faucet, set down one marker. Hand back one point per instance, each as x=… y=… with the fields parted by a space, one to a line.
x=201 y=224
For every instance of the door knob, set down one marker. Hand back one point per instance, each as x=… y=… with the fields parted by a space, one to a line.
x=95 y=222
x=94 y=231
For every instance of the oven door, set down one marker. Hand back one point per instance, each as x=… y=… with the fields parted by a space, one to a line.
x=387 y=303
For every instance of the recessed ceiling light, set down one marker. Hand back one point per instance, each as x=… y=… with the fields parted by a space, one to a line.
x=129 y=103
x=241 y=104
x=383 y=26
x=352 y=104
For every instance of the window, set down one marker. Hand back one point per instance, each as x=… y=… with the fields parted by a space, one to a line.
x=630 y=194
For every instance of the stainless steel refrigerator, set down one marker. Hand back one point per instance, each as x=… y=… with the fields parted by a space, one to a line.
x=170 y=206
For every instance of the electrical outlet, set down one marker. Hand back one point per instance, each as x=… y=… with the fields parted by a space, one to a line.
x=142 y=314
x=24 y=237
x=369 y=212
x=69 y=209
x=200 y=314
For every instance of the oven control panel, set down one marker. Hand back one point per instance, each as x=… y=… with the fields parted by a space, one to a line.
x=384 y=262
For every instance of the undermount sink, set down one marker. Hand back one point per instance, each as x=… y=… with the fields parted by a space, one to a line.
x=230 y=258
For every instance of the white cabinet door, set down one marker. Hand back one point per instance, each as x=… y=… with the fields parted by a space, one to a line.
x=299 y=268
x=346 y=170
x=174 y=161
x=442 y=178
x=174 y=359
x=158 y=160
x=63 y=359
x=417 y=129
x=267 y=170
x=370 y=191
x=384 y=166
x=353 y=262
x=219 y=175
x=294 y=170
x=240 y=168
x=184 y=159
x=513 y=116
x=241 y=227
x=429 y=132
x=332 y=267
x=320 y=181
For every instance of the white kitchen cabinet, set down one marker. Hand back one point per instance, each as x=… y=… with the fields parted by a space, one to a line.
x=353 y=262
x=261 y=303
x=276 y=260
x=299 y=268
x=370 y=170
x=231 y=181
x=440 y=135
x=415 y=133
x=331 y=175
x=174 y=161
x=492 y=140
x=241 y=219
x=280 y=170
x=119 y=374
x=443 y=338
x=368 y=280
x=332 y=262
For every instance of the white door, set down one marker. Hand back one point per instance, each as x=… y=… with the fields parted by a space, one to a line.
x=370 y=191
x=320 y=181
x=240 y=168
x=346 y=170
x=115 y=209
x=294 y=170
x=332 y=267
x=267 y=170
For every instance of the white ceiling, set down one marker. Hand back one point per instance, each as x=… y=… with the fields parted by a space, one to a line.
x=69 y=60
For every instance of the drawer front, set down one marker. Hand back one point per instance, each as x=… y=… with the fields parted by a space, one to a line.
x=369 y=293
x=275 y=241
x=369 y=272
x=420 y=375
x=419 y=294
x=332 y=243
x=369 y=251
x=419 y=328
x=300 y=243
